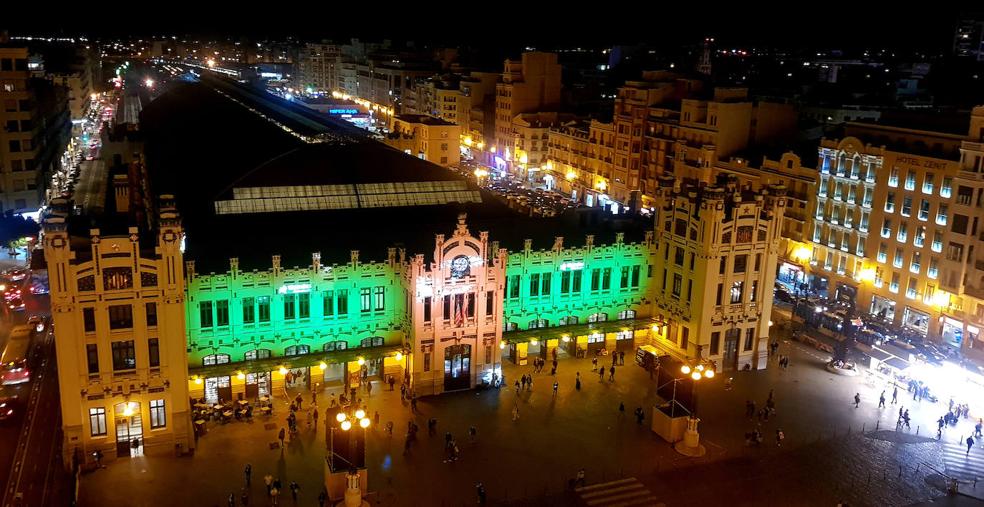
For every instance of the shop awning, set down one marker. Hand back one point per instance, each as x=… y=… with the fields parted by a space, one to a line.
x=301 y=361
x=575 y=330
x=888 y=358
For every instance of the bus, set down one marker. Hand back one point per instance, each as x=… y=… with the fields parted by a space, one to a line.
x=14 y=368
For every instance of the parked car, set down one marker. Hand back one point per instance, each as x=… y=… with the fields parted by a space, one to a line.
x=8 y=407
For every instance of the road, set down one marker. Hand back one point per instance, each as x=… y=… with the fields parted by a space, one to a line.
x=90 y=191
x=29 y=443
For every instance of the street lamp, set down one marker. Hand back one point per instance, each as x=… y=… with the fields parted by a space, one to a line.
x=690 y=445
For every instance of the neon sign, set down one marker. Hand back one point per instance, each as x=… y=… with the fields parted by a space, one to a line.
x=295 y=288
x=343 y=111
x=572 y=266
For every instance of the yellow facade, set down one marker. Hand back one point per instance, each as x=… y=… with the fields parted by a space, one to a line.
x=529 y=85
x=426 y=137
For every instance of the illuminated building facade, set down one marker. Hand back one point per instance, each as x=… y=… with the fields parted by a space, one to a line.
x=579 y=159
x=714 y=268
x=426 y=137
x=118 y=308
x=529 y=85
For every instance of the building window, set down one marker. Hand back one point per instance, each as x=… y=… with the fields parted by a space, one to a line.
x=158 y=417
x=375 y=341
x=97 y=421
x=606 y=279
x=328 y=303
x=249 y=310
x=379 y=295
x=490 y=303
x=749 y=338
x=205 y=313
x=595 y=279
x=215 y=359
x=263 y=308
x=598 y=317
x=684 y=337
x=92 y=356
x=297 y=350
x=740 y=262
x=124 y=357
x=120 y=317
x=365 y=299
x=427 y=360
x=719 y=291
x=304 y=305
x=910 y=180
x=678 y=255
x=89 y=320
x=754 y=292
x=222 y=312
x=534 y=285
x=744 y=234
x=335 y=346
x=677 y=285
x=576 y=282
x=151 y=313
x=154 y=352
x=290 y=306
x=342 y=301
x=736 y=292
x=565 y=282
x=715 y=343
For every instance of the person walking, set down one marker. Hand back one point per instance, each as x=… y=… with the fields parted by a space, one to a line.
x=274 y=494
x=977 y=427
x=268 y=480
x=322 y=497
x=857 y=400
x=577 y=386
x=780 y=436
x=579 y=481
x=517 y=387
x=556 y=384
x=614 y=359
x=611 y=375
x=368 y=389
x=970 y=444
x=515 y=413
x=601 y=374
x=895 y=395
x=294 y=489
x=881 y=400
x=594 y=363
x=247 y=472
x=472 y=434
x=621 y=358
x=621 y=410
x=413 y=403
x=231 y=502
x=480 y=491
x=281 y=436
x=640 y=415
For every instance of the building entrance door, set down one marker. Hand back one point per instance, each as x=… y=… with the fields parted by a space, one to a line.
x=457 y=367
x=731 y=339
x=129 y=429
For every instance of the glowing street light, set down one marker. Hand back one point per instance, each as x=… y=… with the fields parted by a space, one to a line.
x=361 y=361
x=149 y=82
x=323 y=366
x=399 y=356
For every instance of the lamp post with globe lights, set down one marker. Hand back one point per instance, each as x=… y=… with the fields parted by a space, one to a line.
x=690 y=445
x=343 y=477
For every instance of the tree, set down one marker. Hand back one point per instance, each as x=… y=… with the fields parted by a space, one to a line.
x=15 y=227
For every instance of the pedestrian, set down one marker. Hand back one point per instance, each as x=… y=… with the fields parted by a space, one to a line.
x=517 y=386
x=895 y=395
x=274 y=493
x=375 y=419
x=529 y=384
x=294 y=488
x=323 y=496
x=900 y=413
x=857 y=400
x=268 y=479
x=594 y=363
x=640 y=415
x=413 y=403
x=577 y=385
x=881 y=400
x=480 y=491
x=621 y=358
x=281 y=436
x=472 y=433
x=389 y=428
x=244 y=497
x=749 y=408
x=431 y=427
x=315 y=415
x=554 y=370
x=299 y=401
x=611 y=376
x=621 y=409
x=556 y=384
x=601 y=374
x=614 y=358
x=247 y=472
x=403 y=392
x=977 y=427
x=579 y=481
x=369 y=389
x=515 y=413
x=779 y=437
x=232 y=500
x=970 y=444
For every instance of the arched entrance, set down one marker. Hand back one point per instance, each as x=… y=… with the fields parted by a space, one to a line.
x=129 y=429
x=457 y=367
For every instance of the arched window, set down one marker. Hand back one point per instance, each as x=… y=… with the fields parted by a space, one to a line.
x=537 y=324
x=215 y=359
x=252 y=355
x=598 y=317
x=297 y=350
x=336 y=345
x=568 y=321
x=623 y=335
x=511 y=326
x=626 y=314
x=375 y=341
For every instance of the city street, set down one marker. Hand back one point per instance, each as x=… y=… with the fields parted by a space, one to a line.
x=528 y=462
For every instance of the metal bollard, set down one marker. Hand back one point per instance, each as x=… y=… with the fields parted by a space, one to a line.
x=917 y=430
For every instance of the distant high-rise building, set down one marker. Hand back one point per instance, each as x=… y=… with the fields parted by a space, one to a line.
x=968 y=38
x=529 y=85
x=318 y=67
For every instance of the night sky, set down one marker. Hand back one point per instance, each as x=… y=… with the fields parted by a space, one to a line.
x=833 y=25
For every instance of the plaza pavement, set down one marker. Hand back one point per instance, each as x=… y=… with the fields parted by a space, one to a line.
x=528 y=462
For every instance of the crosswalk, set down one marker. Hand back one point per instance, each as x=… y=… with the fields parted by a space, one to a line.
x=621 y=493
x=961 y=465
